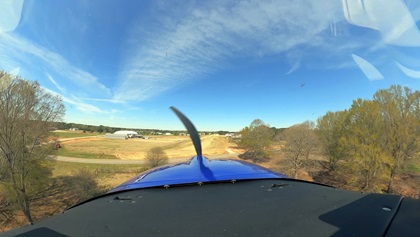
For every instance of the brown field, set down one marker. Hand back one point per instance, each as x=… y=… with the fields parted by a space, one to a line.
x=174 y=146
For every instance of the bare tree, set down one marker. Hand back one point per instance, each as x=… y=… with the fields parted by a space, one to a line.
x=26 y=114
x=156 y=157
x=300 y=142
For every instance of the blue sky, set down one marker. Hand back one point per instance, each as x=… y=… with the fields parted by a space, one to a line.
x=223 y=63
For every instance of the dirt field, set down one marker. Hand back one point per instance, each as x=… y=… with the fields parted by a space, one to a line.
x=175 y=146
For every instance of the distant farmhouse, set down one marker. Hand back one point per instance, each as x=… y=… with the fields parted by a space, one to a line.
x=233 y=136
x=122 y=134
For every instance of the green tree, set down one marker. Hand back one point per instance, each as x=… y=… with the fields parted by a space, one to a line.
x=156 y=156
x=399 y=113
x=330 y=128
x=300 y=143
x=365 y=146
x=256 y=140
x=26 y=114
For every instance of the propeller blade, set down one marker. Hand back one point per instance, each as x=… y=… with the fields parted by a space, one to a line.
x=191 y=130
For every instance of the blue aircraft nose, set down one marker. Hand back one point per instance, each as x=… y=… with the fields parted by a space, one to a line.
x=198 y=170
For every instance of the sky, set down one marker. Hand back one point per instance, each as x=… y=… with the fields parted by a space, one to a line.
x=222 y=63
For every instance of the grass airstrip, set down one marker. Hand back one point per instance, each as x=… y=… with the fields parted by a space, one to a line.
x=96 y=146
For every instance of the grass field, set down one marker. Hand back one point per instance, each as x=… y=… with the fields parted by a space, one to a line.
x=107 y=176
x=71 y=152
x=87 y=145
x=67 y=168
x=413 y=167
x=174 y=146
x=102 y=148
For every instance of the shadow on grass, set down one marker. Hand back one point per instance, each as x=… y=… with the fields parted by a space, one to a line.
x=256 y=157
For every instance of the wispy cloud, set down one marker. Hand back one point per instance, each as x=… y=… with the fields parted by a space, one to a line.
x=79 y=104
x=210 y=36
x=295 y=67
x=367 y=68
x=104 y=100
x=17 y=51
x=84 y=107
x=55 y=83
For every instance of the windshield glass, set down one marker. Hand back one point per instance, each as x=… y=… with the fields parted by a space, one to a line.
x=326 y=91
x=125 y=64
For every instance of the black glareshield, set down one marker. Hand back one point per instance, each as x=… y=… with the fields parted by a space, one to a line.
x=191 y=130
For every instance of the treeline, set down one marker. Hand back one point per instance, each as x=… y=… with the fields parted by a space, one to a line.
x=374 y=138
x=367 y=145
x=101 y=128
x=106 y=129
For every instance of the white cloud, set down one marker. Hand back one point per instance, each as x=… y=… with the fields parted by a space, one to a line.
x=199 y=43
x=367 y=68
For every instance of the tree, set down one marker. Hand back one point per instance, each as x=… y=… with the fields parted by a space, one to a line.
x=26 y=114
x=100 y=129
x=300 y=142
x=365 y=145
x=330 y=128
x=156 y=156
x=257 y=140
x=399 y=112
